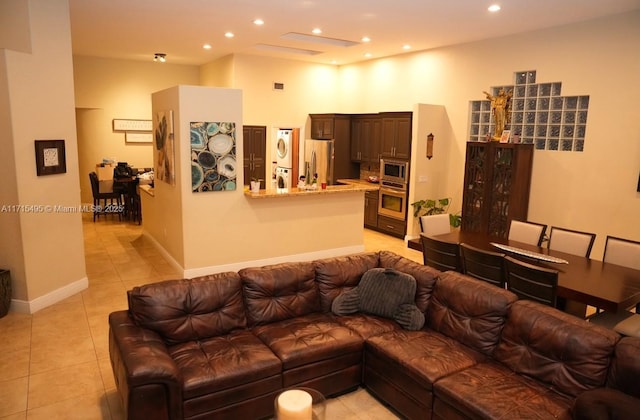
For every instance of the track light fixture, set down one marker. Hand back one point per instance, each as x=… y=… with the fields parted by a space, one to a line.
x=161 y=57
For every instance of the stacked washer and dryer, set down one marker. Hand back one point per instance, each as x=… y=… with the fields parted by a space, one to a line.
x=287 y=157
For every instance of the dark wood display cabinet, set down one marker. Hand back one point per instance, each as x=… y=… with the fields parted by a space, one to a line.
x=255 y=150
x=396 y=135
x=497 y=181
x=338 y=128
x=366 y=138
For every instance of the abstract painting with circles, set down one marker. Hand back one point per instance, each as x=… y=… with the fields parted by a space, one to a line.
x=213 y=156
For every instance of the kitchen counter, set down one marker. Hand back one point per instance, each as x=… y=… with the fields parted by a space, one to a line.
x=331 y=189
x=360 y=182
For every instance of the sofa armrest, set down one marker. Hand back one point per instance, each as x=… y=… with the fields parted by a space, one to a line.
x=147 y=378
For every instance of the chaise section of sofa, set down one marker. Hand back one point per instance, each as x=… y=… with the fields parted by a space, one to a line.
x=186 y=340
x=464 y=320
x=545 y=358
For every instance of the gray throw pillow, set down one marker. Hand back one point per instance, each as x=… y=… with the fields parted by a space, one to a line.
x=384 y=292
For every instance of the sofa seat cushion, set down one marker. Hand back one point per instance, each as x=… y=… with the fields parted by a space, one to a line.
x=425 y=356
x=368 y=325
x=223 y=362
x=308 y=339
x=605 y=404
x=557 y=349
x=490 y=390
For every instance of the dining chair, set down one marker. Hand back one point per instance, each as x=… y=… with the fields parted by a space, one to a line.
x=483 y=265
x=624 y=252
x=571 y=241
x=435 y=224
x=527 y=232
x=441 y=255
x=98 y=207
x=531 y=282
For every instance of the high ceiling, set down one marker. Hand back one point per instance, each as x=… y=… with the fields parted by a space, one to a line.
x=136 y=29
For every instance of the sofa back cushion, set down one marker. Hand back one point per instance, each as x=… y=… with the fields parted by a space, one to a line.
x=278 y=292
x=425 y=276
x=341 y=274
x=471 y=311
x=185 y=310
x=624 y=374
x=566 y=353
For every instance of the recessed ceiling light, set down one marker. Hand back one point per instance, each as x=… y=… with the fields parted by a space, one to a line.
x=316 y=31
x=494 y=8
x=367 y=55
x=207 y=46
x=229 y=34
x=366 y=39
x=406 y=47
x=258 y=22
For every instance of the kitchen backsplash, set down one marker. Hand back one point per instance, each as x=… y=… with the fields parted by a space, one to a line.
x=369 y=169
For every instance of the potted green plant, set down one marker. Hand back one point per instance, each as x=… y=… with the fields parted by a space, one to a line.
x=429 y=207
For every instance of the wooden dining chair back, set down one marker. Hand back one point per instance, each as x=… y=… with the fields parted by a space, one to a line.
x=441 y=255
x=571 y=241
x=483 y=265
x=624 y=252
x=621 y=251
x=435 y=224
x=100 y=198
x=531 y=282
x=527 y=232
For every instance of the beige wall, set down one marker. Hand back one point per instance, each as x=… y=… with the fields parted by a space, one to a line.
x=594 y=190
x=44 y=248
x=107 y=89
x=205 y=232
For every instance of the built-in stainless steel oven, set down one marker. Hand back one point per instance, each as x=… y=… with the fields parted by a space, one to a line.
x=393 y=200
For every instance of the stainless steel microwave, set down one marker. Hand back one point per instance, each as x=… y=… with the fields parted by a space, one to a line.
x=394 y=170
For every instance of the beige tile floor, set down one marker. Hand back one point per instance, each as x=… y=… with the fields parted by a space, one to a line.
x=54 y=364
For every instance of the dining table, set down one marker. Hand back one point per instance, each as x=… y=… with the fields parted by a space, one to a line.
x=606 y=286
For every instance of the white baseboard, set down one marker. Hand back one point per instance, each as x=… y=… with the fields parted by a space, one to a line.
x=203 y=271
x=51 y=298
x=308 y=256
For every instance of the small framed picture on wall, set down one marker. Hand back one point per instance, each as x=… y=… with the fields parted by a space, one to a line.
x=50 y=157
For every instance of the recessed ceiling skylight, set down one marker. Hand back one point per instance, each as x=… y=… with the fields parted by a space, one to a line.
x=279 y=48
x=319 y=39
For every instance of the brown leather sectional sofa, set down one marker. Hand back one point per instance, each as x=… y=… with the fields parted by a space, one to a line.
x=224 y=345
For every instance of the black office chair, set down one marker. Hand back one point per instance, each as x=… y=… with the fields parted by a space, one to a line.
x=532 y=282
x=99 y=208
x=484 y=265
x=441 y=255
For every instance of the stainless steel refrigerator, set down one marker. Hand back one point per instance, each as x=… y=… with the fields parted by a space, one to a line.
x=318 y=158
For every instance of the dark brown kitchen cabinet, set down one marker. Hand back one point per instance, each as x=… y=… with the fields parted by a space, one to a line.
x=371 y=209
x=394 y=227
x=322 y=126
x=338 y=128
x=396 y=135
x=255 y=149
x=366 y=131
x=497 y=181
